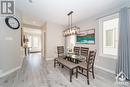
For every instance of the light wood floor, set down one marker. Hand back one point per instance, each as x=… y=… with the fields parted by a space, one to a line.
x=37 y=72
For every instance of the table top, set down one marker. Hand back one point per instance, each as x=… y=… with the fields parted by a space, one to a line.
x=77 y=57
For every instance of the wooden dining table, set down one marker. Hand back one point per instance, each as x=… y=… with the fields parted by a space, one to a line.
x=75 y=58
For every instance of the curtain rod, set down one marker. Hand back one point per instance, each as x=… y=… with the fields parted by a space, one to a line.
x=109 y=14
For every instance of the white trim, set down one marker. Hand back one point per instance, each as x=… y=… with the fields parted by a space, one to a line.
x=50 y=59
x=108 y=56
x=101 y=34
x=107 y=70
x=10 y=71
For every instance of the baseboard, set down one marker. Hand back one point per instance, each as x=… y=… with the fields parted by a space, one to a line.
x=107 y=70
x=10 y=71
x=49 y=59
x=104 y=73
x=35 y=52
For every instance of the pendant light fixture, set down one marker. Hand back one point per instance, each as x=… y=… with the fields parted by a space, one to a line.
x=71 y=30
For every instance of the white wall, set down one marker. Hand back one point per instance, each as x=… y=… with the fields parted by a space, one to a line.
x=105 y=63
x=10 y=47
x=102 y=62
x=54 y=37
x=89 y=24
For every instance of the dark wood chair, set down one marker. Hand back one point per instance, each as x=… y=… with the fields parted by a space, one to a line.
x=70 y=65
x=77 y=50
x=87 y=65
x=61 y=60
x=60 y=51
x=84 y=51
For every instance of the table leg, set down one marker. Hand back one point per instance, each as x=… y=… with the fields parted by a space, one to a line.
x=71 y=75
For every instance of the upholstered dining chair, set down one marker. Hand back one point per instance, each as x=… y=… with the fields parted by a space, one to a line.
x=87 y=65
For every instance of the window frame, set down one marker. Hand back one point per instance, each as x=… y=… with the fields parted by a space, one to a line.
x=101 y=34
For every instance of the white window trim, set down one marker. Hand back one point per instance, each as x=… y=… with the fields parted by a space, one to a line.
x=100 y=21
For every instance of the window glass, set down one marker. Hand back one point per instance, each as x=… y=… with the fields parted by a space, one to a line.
x=35 y=42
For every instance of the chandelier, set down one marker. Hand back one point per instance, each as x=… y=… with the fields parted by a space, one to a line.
x=71 y=30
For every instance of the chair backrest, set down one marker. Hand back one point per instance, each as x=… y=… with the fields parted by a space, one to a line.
x=60 y=50
x=77 y=50
x=84 y=51
x=91 y=59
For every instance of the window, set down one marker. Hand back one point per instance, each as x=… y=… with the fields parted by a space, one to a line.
x=70 y=42
x=35 y=41
x=109 y=37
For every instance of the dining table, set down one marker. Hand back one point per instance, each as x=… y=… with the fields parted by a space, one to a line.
x=75 y=58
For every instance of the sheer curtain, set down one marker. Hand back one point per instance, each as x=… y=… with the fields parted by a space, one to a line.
x=123 y=63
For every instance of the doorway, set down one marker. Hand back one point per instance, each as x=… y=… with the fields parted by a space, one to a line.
x=32 y=40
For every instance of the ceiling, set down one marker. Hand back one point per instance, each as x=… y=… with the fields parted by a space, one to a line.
x=56 y=11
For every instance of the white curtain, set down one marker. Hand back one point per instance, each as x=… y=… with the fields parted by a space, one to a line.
x=123 y=63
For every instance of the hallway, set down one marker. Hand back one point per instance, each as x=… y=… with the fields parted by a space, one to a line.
x=36 y=72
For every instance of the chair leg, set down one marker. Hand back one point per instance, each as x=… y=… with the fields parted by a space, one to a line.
x=62 y=66
x=71 y=75
x=77 y=72
x=93 y=73
x=88 y=77
x=82 y=70
x=72 y=71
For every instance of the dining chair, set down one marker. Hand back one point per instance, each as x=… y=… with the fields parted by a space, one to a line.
x=60 y=51
x=87 y=65
x=76 y=50
x=84 y=51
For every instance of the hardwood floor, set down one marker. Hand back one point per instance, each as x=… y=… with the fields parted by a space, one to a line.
x=37 y=72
